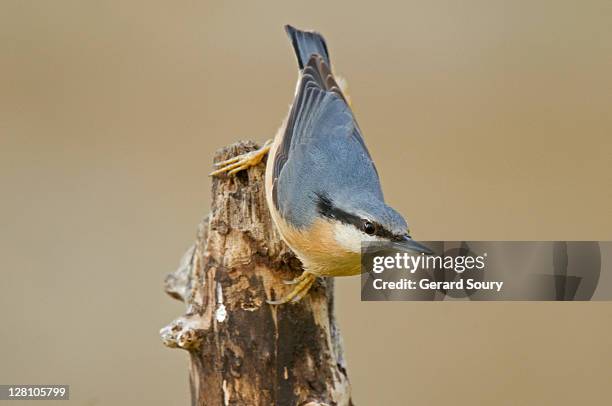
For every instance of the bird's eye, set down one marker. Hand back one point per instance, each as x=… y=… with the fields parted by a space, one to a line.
x=368 y=227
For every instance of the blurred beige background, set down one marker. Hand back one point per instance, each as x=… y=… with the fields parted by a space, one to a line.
x=487 y=120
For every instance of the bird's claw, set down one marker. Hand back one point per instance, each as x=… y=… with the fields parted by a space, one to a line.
x=242 y=162
x=292 y=281
x=304 y=283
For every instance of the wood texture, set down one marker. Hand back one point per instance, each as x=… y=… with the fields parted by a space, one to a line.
x=244 y=351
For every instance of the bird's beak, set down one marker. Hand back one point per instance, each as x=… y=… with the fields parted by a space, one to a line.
x=412 y=247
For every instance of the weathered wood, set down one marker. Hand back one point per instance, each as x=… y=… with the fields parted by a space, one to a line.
x=244 y=351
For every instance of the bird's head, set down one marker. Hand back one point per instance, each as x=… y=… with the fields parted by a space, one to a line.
x=366 y=218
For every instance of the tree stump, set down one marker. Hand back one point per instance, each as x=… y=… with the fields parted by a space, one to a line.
x=242 y=350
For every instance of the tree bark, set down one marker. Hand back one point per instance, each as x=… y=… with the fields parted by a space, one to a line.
x=242 y=350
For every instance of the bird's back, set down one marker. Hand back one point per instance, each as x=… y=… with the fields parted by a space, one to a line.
x=320 y=150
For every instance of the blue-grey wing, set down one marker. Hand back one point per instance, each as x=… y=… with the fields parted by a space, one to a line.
x=322 y=151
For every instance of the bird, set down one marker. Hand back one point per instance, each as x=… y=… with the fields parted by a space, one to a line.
x=322 y=188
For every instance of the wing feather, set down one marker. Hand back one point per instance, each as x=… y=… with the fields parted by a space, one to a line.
x=319 y=105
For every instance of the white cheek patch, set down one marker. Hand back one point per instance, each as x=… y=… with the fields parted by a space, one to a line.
x=350 y=238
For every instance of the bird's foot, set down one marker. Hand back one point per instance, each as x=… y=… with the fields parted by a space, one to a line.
x=242 y=162
x=302 y=285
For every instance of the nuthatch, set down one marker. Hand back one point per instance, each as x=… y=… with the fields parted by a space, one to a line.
x=322 y=187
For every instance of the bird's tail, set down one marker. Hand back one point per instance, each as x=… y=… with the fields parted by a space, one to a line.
x=306 y=44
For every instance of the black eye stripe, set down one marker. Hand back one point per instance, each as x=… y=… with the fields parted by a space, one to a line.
x=324 y=205
x=327 y=209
